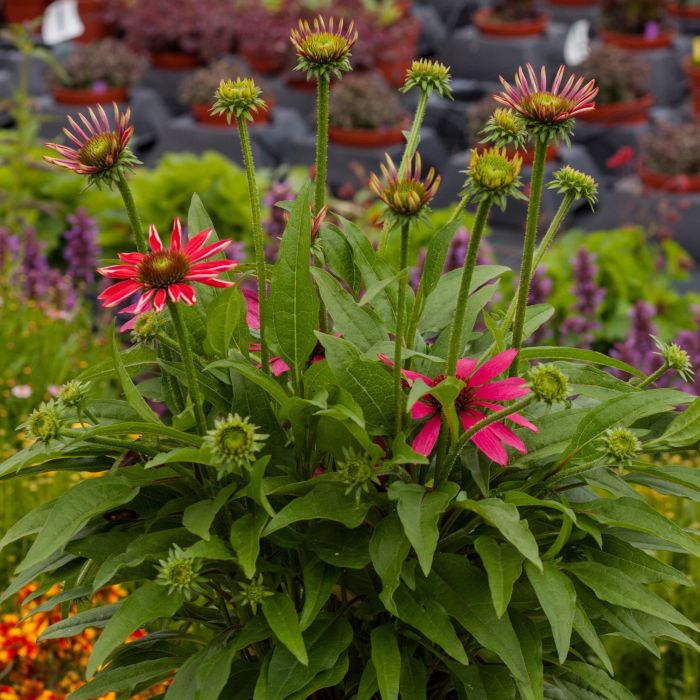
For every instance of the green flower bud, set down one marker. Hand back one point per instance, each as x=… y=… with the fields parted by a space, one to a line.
x=44 y=423
x=238 y=98
x=147 y=327
x=493 y=174
x=253 y=593
x=179 y=572
x=323 y=49
x=74 y=393
x=428 y=76
x=505 y=128
x=569 y=181
x=622 y=444
x=233 y=443
x=357 y=472
x=549 y=384
x=678 y=359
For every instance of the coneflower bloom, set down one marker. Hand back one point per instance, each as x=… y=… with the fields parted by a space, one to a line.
x=99 y=149
x=164 y=273
x=323 y=49
x=540 y=105
x=407 y=195
x=478 y=396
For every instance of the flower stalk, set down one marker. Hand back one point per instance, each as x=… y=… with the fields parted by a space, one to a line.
x=133 y=214
x=322 y=99
x=398 y=340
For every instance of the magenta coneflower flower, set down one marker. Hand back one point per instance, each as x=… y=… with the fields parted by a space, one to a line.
x=98 y=149
x=549 y=106
x=164 y=274
x=479 y=395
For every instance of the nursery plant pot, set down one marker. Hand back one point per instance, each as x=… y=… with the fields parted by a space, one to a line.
x=637 y=42
x=487 y=24
x=75 y=96
x=669 y=183
x=630 y=112
x=298 y=81
x=693 y=72
x=264 y=64
x=173 y=60
x=680 y=11
x=17 y=11
x=367 y=138
x=396 y=58
x=202 y=115
x=92 y=14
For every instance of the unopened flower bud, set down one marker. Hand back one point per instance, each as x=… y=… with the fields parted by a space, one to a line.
x=239 y=98
x=253 y=593
x=323 y=49
x=622 y=444
x=493 y=174
x=74 y=393
x=549 y=384
x=233 y=443
x=179 y=572
x=45 y=422
x=569 y=181
x=505 y=128
x=428 y=76
x=147 y=327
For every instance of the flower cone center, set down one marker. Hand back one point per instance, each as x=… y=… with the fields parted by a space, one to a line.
x=161 y=269
x=549 y=105
x=234 y=440
x=98 y=151
x=324 y=46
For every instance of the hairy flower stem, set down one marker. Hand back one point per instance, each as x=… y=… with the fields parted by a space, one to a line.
x=651 y=379
x=258 y=239
x=533 y=215
x=322 y=99
x=455 y=346
x=491 y=418
x=134 y=218
x=398 y=341
x=542 y=249
x=409 y=152
x=185 y=350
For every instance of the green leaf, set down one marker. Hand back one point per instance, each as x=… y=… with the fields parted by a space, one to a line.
x=149 y=602
x=506 y=518
x=503 y=564
x=557 y=597
x=414 y=678
x=293 y=304
x=126 y=678
x=436 y=255
x=319 y=580
x=487 y=682
x=29 y=524
x=578 y=355
x=73 y=510
x=136 y=401
x=612 y=586
x=355 y=323
x=639 y=516
x=337 y=253
x=223 y=315
x=330 y=678
x=463 y=590
x=531 y=645
x=684 y=429
x=268 y=384
x=134 y=360
x=386 y=658
x=198 y=517
x=585 y=629
x=388 y=549
x=75 y=624
x=597 y=680
x=325 y=502
x=245 y=540
x=419 y=511
x=338 y=546
x=282 y=617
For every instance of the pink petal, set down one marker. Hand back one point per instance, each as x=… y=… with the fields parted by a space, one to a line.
x=176 y=236
x=131 y=258
x=196 y=242
x=118 y=292
x=506 y=435
x=489 y=444
x=209 y=250
x=514 y=417
x=154 y=239
x=464 y=367
x=214 y=282
x=144 y=302
x=159 y=300
x=253 y=313
x=422 y=410
x=503 y=390
x=427 y=437
x=278 y=366
x=118 y=271
x=188 y=294
x=493 y=367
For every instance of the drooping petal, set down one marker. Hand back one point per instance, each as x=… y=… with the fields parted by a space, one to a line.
x=427 y=437
x=503 y=390
x=118 y=292
x=144 y=302
x=409 y=374
x=505 y=434
x=489 y=444
x=464 y=367
x=493 y=367
x=118 y=271
x=253 y=312
x=209 y=250
x=422 y=410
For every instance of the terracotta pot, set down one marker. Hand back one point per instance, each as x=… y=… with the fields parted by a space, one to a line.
x=17 y=11
x=630 y=112
x=669 y=183
x=368 y=138
x=637 y=42
x=298 y=81
x=488 y=25
x=692 y=70
x=264 y=64
x=683 y=11
x=74 y=96
x=394 y=60
x=201 y=114
x=92 y=13
x=173 y=60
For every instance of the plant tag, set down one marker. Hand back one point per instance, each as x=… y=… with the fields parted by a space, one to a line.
x=61 y=22
x=696 y=49
x=577 y=44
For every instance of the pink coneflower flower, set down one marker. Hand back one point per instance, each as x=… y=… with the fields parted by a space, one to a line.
x=164 y=274
x=98 y=147
x=537 y=103
x=479 y=395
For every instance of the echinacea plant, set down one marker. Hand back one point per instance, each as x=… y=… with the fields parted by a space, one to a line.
x=387 y=514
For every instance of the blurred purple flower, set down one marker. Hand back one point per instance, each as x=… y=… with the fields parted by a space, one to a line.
x=639 y=348
x=589 y=296
x=9 y=247
x=34 y=266
x=82 y=248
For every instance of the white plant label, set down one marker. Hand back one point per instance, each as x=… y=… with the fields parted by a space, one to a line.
x=61 y=22
x=577 y=44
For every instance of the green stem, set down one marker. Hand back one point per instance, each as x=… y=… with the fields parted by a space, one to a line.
x=185 y=350
x=533 y=215
x=484 y=422
x=542 y=249
x=651 y=379
x=408 y=153
x=134 y=218
x=323 y=92
x=258 y=239
x=398 y=341
x=455 y=346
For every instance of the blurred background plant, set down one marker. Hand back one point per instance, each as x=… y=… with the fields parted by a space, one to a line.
x=621 y=76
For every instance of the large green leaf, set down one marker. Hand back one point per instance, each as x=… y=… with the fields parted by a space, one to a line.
x=75 y=624
x=612 y=586
x=503 y=564
x=198 y=517
x=223 y=316
x=388 y=549
x=148 y=602
x=435 y=257
x=595 y=679
x=419 y=511
x=73 y=510
x=319 y=580
x=585 y=629
x=245 y=540
x=684 y=429
x=282 y=617
x=557 y=597
x=386 y=658
x=577 y=355
x=293 y=303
